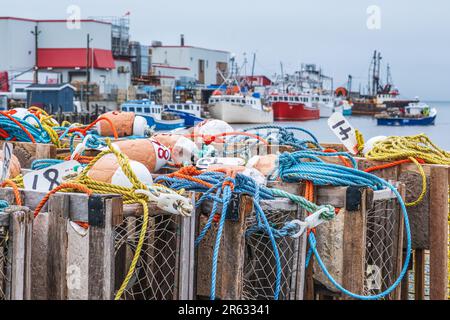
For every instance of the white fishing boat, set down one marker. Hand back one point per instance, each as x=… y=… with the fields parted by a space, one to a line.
x=234 y=106
x=153 y=114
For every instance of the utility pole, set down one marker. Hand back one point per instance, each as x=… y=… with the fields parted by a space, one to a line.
x=253 y=65
x=349 y=84
x=36 y=33
x=88 y=70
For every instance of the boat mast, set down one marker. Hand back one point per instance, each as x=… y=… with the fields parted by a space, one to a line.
x=282 y=75
x=378 y=84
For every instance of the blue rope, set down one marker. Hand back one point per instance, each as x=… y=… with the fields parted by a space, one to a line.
x=286 y=136
x=220 y=193
x=15 y=131
x=3 y=205
x=293 y=169
x=39 y=164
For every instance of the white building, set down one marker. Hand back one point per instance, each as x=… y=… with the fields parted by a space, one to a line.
x=189 y=63
x=62 y=49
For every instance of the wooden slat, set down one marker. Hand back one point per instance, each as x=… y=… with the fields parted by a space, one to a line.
x=187 y=257
x=57 y=246
x=398 y=243
x=439 y=232
x=419 y=274
x=101 y=251
x=354 y=250
x=28 y=152
x=18 y=270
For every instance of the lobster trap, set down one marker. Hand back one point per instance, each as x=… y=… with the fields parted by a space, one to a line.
x=428 y=271
x=247 y=266
x=164 y=269
x=362 y=247
x=384 y=244
x=82 y=248
x=15 y=256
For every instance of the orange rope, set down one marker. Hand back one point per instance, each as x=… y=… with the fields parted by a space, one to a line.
x=84 y=130
x=80 y=159
x=391 y=164
x=188 y=173
x=344 y=160
x=309 y=195
x=15 y=190
x=58 y=188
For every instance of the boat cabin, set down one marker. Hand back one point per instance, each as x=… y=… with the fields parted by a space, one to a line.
x=145 y=107
x=184 y=107
x=235 y=99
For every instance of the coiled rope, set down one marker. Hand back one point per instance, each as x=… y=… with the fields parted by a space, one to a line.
x=286 y=136
x=307 y=166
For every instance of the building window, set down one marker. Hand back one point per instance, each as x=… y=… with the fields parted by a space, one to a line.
x=131 y=109
x=139 y=110
x=147 y=110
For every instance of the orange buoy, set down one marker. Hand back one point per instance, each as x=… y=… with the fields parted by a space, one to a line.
x=14 y=167
x=107 y=169
x=149 y=152
x=265 y=164
x=125 y=123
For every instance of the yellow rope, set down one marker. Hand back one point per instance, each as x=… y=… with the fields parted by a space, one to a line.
x=412 y=147
x=424 y=184
x=409 y=147
x=129 y=196
x=48 y=124
x=418 y=147
x=359 y=140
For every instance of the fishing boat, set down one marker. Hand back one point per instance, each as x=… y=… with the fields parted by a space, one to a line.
x=415 y=114
x=325 y=104
x=153 y=113
x=292 y=107
x=234 y=106
x=343 y=105
x=379 y=98
x=302 y=95
x=190 y=112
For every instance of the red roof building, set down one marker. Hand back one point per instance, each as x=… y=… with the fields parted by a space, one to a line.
x=257 y=80
x=59 y=58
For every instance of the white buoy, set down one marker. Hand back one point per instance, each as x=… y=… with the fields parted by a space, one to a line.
x=368 y=146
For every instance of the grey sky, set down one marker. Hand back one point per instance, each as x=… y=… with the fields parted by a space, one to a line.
x=412 y=38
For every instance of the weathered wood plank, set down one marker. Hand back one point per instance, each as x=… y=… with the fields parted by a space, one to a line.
x=419 y=274
x=59 y=205
x=354 y=250
x=18 y=270
x=186 y=257
x=28 y=152
x=439 y=232
x=101 y=246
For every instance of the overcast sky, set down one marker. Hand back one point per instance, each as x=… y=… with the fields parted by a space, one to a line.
x=413 y=35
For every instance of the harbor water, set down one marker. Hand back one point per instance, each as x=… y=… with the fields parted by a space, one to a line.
x=439 y=133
